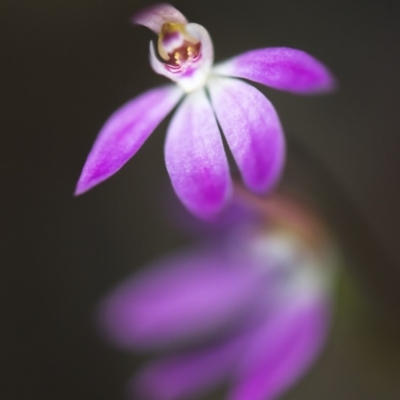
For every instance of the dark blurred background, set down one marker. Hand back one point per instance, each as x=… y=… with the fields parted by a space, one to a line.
x=67 y=64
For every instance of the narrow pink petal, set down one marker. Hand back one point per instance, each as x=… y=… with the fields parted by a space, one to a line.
x=282 y=351
x=155 y=16
x=188 y=374
x=252 y=129
x=125 y=132
x=281 y=68
x=195 y=157
x=180 y=299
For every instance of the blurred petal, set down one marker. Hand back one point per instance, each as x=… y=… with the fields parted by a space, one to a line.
x=191 y=75
x=195 y=157
x=155 y=16
x=281 y=351
x=179 y=299
x=188 y=374
x=236 y=214
x=125 y=132
x=252 y=129
x=281 y=68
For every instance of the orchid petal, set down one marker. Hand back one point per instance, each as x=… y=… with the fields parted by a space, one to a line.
x=193 y=75
x=195 y=157
x=179 y=299
x=281 y=351
x=125 y=132
x=252 y=129
x=188 y=374
x=155 y=16
x=281 y=68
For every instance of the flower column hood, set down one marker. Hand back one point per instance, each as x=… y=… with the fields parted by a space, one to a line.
x=194 y=152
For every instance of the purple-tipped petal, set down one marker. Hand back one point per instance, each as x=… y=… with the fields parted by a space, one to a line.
x=252 y=129
x=281 y=68
x=125 y=132
x=187 y=375
x=155 y=16
x=180 y=299
x=195 y=157
x=281 y=351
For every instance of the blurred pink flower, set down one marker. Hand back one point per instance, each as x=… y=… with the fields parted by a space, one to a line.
x=194 y=152
x=252 y=308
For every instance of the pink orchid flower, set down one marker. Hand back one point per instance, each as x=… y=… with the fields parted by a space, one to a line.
x=251 y=308
x=194 y=151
